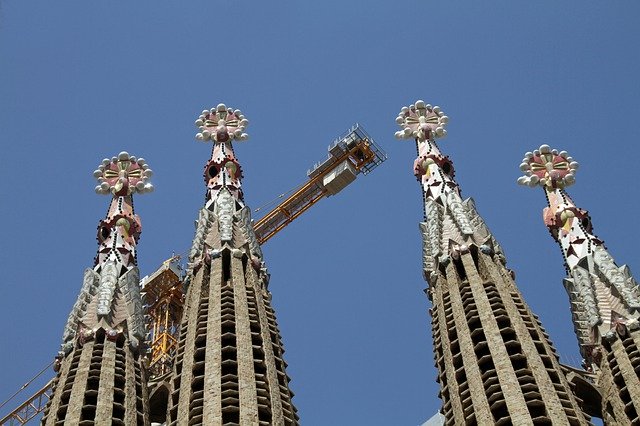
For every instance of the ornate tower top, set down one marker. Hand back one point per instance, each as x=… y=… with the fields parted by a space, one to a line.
x=421 y=122
x=451 y=225
x=123 y=175
x=110 y=295
x=224 y=198
x=604 y=296
x=548 y=167
x=221 y=124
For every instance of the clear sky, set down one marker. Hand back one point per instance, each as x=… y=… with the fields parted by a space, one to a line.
x=80 y=81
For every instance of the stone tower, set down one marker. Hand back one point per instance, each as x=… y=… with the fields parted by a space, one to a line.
x=229 y=367
x=496 y=364
x=101 y=379
x=604 y=297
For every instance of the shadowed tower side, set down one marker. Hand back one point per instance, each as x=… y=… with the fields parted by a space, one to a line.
x=101 y=379
x=229 y=367
x=604 y=297
x=496 y=364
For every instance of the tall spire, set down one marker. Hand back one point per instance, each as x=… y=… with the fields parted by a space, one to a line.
x=605 y=299
x=495 y=363
x=229 y=367
x=100 y=375
x=452 y=224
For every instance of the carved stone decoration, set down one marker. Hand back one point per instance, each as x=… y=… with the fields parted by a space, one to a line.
x=129 y=285
x=247 y=230
x=431 y=236
x=224 y=208
x=454 y=203
x=107 y=287
x=203 y=224
x=482 y=230
x=583 y=285
x=617 y=276
x=88 y=290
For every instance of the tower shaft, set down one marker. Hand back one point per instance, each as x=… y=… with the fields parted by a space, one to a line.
x=495 y=362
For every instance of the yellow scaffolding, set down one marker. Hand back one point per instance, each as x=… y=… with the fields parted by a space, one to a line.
x=164 y=299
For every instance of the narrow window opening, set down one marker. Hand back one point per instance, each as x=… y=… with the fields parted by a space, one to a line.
x=226 y=266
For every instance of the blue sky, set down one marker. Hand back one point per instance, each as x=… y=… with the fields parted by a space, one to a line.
x=80 y=81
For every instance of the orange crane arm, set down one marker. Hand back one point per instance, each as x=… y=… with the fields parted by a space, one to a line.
x=30 y=408
x=349 y=155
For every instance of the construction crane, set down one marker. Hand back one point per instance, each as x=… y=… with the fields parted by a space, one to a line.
x=353 y=153
x=30 y=408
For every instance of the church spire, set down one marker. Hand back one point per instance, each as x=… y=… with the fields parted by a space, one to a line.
x=605 y=299
x=229 y=367
x=495 y=362
x=100 y=374
x=451 y=223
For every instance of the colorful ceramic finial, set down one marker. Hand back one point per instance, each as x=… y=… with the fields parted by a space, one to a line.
x=123 y=175
x=548 y=167
x=421 y=121
x=221 y=124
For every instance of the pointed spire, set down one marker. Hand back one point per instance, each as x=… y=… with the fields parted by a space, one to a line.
x=110 y=294
x=242 y=374
x=101 y=377
x=222 y=125
x=480 y=323
x=451 y=223
x=603 y=295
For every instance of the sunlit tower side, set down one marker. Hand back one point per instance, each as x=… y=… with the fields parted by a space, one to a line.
x=496 y=364
x=101 y=377
x=604 y=297
x=229 y=367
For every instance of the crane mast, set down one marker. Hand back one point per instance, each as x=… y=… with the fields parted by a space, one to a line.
x=351 y=154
